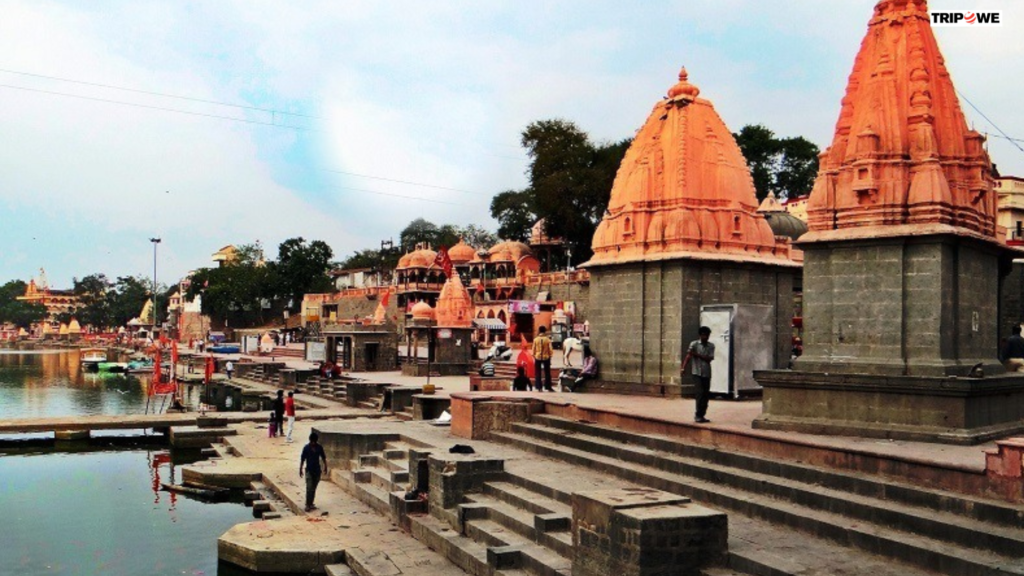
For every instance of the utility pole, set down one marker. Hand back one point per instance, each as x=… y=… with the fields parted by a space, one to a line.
x=155 y=242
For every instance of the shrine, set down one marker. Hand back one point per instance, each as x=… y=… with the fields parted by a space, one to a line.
x=446 y=332
x=902 y=261
x=682 y=231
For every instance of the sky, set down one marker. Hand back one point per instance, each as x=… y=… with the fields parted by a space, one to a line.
x=353 y=118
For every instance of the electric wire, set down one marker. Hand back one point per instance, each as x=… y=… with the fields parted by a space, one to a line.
x=993 y=124
x=154 y=93
x=151 y=107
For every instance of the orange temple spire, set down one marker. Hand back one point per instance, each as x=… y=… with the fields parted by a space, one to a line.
x=902 y=154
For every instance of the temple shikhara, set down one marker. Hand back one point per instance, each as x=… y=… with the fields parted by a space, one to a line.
x=682 y=232
x=902 y=154
x=684 y=191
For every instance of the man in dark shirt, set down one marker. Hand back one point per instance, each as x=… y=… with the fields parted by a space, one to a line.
x=312 y=455
x=279 y=413
x=1013 y=352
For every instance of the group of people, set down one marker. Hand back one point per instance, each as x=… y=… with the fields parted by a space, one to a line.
x=283 y=408
x=330 y=370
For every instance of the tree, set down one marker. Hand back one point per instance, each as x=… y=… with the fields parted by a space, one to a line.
x=477 y=237
x=21 y=314
x=418 y=231
x=93 y=307
x=302 y=268
x=126 y=299
x=515 y=214
x=570 y=185
x=786 y=166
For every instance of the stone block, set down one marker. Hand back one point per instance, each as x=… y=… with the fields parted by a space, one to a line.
x=551 y=523
x=641 y=532
x=342 y=447
x=504 y=557
x=476 y=417
x=452 y=476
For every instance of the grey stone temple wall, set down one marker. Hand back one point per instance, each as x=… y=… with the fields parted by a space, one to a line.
x=643 y=314
x=915 y=306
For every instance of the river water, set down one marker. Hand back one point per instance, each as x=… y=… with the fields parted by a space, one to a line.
x=95 y=507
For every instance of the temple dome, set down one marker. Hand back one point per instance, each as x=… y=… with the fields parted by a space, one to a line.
x=419 y=258
x=785 y=224
x=461 y=253
x=683 y=190
x=74 y=327
x=422 y=311
x=454 y=305
x=509 y=251
x=902 y=154
x=782 y=223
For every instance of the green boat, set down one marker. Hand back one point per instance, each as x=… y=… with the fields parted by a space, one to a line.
x=112 y=367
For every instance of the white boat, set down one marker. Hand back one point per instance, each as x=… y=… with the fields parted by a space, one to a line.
x=93 y=356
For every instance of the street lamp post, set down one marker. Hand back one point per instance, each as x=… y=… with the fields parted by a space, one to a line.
x=155 y=242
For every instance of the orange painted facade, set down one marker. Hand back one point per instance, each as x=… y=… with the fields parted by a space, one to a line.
x=903 y=160
x=684 y=191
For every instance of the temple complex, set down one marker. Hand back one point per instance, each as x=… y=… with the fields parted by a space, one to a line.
x=903 y=259
x=57 y=302
x=682 y=232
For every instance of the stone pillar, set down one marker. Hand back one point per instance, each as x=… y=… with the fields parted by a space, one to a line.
x=644 y=532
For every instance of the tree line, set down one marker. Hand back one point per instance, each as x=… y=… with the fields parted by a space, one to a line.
x=570 y=179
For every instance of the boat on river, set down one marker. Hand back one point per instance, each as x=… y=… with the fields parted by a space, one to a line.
x=225 y=349
x=112 y=366
x=140 y=366
x=92 y=357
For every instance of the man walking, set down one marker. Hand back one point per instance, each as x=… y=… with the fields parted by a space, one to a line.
x=701 y=353
x=542 y=359
x=289 y=412
x=312 y=455
x=229 y=368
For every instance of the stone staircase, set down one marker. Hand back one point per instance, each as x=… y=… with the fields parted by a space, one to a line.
x=784 y=517
x=511 y=523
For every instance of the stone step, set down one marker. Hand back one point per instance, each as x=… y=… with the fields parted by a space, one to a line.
x=991 y=511
x=384 y=480
x=464 y=552
x=535 y=559
x=526 y=499
x=926 y=521
x=918 y=550
x=525 y=524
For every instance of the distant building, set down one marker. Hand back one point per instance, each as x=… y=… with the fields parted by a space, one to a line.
x=797 y=206
x=56 y=302
x=355 y=278
x=1010 y=206
x=226 y=255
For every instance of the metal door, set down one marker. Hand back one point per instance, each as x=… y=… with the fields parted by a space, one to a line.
x=719 y=319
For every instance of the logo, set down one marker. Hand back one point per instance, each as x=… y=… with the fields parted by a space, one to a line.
x=966 y=18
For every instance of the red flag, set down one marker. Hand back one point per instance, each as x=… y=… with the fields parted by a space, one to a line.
x=444 y=261
x=384 y=300
x=157 y=360
x=209 y=369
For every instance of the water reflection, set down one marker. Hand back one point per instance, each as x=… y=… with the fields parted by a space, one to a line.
x=103 y=513
x=36 y=384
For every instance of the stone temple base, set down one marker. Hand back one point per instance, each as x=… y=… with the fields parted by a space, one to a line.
x=920 y=408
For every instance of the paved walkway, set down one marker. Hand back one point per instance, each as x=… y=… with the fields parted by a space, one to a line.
x=726 y=415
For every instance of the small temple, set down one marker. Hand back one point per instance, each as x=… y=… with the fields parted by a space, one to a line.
x=904 y=261
x=681 y=233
